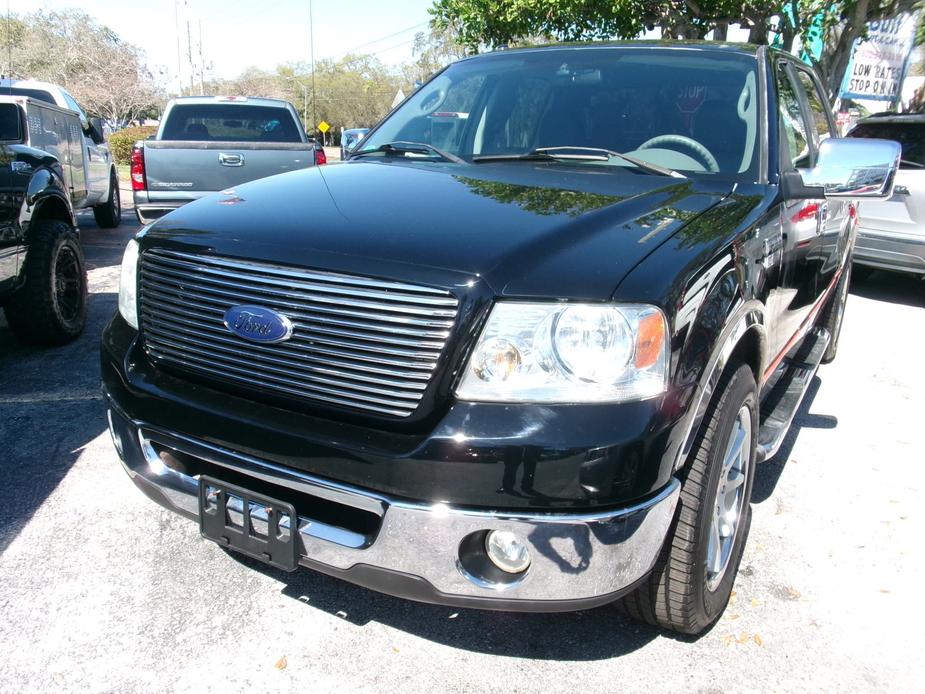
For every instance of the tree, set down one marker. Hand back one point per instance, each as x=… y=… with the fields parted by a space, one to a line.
x=838 y=23
x=107 y=75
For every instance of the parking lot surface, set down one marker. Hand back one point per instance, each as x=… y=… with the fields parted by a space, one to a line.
x=102 y=590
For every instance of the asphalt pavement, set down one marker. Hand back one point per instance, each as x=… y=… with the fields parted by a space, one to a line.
x=101 y=590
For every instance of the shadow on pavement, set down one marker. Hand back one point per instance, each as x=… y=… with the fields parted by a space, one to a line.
x=768 y=473
x=50 y=401
x=587 y=635
x=894 y=287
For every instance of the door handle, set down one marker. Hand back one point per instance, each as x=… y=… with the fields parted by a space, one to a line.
x=230 y=159
x=900 y=190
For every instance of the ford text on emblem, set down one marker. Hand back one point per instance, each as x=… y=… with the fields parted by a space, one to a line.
x=258 y=324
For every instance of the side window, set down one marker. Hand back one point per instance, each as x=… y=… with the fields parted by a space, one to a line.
x=792 y=121
x=817 y=107
x=74 y=106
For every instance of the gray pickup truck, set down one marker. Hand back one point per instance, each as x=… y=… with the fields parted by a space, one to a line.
x=211 y=143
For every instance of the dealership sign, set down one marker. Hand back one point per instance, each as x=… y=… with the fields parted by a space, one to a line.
x=878 y=62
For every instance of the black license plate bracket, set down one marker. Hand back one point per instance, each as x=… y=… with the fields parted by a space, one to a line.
x=265 y=538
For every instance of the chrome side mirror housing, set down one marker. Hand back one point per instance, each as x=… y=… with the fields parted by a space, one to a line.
x=857 y=168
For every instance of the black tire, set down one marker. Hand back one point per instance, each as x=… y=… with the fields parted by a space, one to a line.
x=51 y=306
x=108 y=215
x=677 y=595
x=833 y=315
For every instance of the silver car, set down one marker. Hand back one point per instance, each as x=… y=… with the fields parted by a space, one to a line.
x=891 y=235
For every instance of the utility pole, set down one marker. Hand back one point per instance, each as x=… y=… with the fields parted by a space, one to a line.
x=176 y=17
x=202 y=63
x=189 y=55
x=311 y=44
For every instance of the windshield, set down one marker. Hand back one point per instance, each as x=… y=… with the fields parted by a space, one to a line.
x=230 y=123
x=687 y=109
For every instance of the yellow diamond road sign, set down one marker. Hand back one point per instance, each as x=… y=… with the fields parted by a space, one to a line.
x=323 y=126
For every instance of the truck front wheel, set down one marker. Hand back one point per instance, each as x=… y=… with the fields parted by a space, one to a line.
x=51 y=306
x=690 y=585
x=108 y=215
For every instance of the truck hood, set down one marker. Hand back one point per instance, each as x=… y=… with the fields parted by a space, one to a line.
x=524 y=229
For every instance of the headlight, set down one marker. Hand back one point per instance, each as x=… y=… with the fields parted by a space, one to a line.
x=128 y=285
x=558 y=352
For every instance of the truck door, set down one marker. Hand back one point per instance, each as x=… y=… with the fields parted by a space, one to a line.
x=94 y=157
x=11 y=194
x=812 y=228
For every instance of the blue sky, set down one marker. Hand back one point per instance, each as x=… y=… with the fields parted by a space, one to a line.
x=237 y=34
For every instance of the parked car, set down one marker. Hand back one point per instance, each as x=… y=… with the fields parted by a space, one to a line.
x=349 y=139
x=89 y=169
x=891 y=235
x=582 y=299
x=43 y=281
x=206 y=144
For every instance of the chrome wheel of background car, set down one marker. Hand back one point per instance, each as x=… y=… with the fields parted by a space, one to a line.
x=730 y=498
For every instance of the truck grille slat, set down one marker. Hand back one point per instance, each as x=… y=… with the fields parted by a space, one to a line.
x=362 y=344
x=382 y=301
x=166 y=293
x=192 y=309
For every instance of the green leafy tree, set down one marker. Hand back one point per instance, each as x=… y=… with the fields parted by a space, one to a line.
x=492 y=23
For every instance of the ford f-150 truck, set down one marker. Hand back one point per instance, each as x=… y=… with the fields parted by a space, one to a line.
x=537 y=368
x=206 y=144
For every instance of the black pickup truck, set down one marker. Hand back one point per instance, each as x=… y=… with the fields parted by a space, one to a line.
x=523 y=350
x=43 y=280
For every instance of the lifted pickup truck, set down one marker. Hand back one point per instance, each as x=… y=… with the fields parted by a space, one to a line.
x=537 y=368
x=57 y=124
x=43 y=282
x=208 y=144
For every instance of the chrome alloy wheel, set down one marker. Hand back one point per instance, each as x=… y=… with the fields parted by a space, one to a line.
x=730 y=498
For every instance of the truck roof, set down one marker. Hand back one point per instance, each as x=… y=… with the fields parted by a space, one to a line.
x=726 y=46
x=252 y=100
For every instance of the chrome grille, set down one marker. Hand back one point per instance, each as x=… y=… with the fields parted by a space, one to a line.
x=358 y=343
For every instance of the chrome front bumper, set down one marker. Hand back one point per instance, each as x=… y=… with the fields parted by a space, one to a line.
x=419 y=550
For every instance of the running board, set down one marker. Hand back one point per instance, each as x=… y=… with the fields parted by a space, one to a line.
x=781 y=405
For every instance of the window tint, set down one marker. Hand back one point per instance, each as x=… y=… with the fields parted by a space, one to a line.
x=910 y=135
x=10 y=123
x=230 y=123
x=817 y=107
x=38 y=94
x=793 y=124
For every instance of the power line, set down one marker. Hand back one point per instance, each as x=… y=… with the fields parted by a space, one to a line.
x=383 y=38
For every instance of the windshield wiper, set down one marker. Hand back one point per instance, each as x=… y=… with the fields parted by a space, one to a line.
x=410 y=148
x=580 y=153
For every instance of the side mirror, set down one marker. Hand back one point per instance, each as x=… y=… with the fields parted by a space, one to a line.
x=855 y=168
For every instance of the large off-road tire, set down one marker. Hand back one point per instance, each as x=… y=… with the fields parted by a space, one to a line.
x=833 y=314
x=51 y=306
x=690 y=585
x=108 y=215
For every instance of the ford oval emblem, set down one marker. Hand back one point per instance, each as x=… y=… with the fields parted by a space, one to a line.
x=258 y=324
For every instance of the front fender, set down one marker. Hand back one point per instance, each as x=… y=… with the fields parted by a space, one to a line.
x=46 y=192
x=712 y=280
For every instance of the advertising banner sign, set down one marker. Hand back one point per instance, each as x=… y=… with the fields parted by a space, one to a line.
x=878 y=63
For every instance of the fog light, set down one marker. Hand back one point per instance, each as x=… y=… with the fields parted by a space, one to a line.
x=507 y=552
